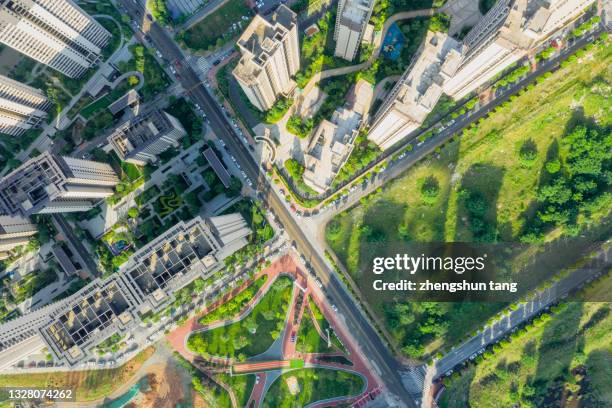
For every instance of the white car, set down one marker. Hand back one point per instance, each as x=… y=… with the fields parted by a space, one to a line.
x=172 y=70
x=159 y=54
x=222 y=143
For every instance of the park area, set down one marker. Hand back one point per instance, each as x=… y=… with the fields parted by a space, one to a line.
x=309 y=385
x=563 y=358
x=532 y=172
x=252 y=335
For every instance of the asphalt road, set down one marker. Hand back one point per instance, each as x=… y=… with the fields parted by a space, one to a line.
x=524 y=312
x=366 y=336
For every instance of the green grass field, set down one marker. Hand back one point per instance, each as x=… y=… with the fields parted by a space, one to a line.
x=315 y=385
x=252 y=335
x=565 y=359
x=216 y=28
x=487 y=160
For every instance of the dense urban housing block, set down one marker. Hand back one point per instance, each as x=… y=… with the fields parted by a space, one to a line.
x=505 y=35
x=21 y=107
x=15 y=231
x=51 y=184
x=145 y=284
x=270 y=57
x=141 y=139
x=57 y=33
x=332 y=141
x=418 y=90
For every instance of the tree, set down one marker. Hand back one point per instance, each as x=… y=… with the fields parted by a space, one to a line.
x=553 y=166
x=132 y=212
x=528 y=152
x=430 y=188
x=295 y=169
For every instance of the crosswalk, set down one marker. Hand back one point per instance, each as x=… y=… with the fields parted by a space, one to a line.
x=200 y=64
x=414 y=382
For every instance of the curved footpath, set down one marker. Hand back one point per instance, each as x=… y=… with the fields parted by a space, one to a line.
x=404 y=15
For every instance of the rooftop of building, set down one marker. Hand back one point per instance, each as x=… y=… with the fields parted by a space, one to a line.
x=43 y=178
x=141 y=131
x=355 y=13
x=332 y=141
x=420 y=87
x=263 y=35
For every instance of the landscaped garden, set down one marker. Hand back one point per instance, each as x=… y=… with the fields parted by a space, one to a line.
x=308 y=385
x=563 y=360
x=309 y=339
x=533 y=171
x=155 y=79
x=167 y=203
x=252 y=335
x=231 y=308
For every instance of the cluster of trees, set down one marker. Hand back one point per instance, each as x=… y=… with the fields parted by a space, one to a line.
x=574 y=182
x=159 y=11
x=142 y=61
x=513 y=76
x=528 y=153
x=313 y=55
x=430 y=188
x=294 y=168
x=386 y=8
x=276 y=112
x=229 y=309
x=477 y=207
x=184 y=112
x=364 y=153
x=415 y=323
x=300 y=127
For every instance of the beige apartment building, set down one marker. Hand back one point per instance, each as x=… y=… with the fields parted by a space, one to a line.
x=332 y=142
x=21 y=107
x=270 y=57
x=418 y=90
x=57 y=33
x=505 y=35
x=351 y=22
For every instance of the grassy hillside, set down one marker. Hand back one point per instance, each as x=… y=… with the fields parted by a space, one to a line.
x=502 y=181
x=562 y=362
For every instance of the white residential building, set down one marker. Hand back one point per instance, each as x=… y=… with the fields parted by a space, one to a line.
x=417 y=92
x=270 y=57
x=21 y=107
x=505 y=35
x=351 y=23
x=140 y=140
x=14 y=231
x=51 y=184
x=57 y=33
x=332 y=142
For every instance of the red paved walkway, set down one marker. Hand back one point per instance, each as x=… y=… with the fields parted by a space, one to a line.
x=285 y=265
